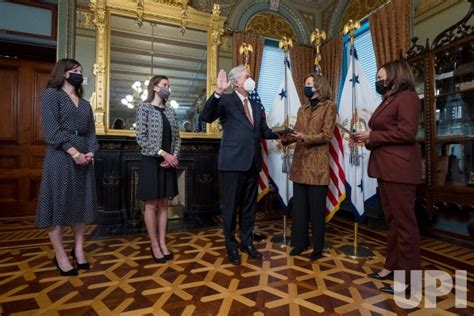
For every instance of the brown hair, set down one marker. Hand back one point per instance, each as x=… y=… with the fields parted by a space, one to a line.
x=155 y=80
x=399 y=77
x=322 y=86
x=56 y=78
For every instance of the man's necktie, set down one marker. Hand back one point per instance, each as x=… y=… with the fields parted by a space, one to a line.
x=246 y=110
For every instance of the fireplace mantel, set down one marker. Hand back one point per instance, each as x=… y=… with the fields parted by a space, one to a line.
x=116 y=165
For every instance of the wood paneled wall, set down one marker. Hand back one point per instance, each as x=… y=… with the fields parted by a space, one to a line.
x=21 y=139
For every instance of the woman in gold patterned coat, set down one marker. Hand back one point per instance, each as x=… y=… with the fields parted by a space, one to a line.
x=310 y=167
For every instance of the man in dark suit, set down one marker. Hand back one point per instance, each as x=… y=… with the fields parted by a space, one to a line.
x=240 y=156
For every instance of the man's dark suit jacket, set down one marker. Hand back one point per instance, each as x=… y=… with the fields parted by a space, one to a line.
x=240 y=144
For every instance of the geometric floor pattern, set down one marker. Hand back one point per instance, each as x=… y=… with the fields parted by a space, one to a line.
x=124 y=280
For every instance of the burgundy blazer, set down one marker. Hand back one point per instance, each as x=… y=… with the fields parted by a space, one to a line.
x=395 y=155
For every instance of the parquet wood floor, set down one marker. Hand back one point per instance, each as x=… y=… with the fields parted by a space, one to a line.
x=124 y=280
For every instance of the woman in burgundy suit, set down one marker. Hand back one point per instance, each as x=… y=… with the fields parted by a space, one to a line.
x=395 y=161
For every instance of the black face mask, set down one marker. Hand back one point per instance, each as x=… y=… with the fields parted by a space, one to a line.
x=75 y=79
x=380 y=87
x=309 y=91
x=164 y=93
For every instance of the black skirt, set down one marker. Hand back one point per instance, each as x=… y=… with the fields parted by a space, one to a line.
x=155 y=182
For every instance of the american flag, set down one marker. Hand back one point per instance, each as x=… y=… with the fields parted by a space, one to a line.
x=337 y=181
x=264 y=177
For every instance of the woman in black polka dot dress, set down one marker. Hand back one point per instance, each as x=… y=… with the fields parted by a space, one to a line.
x=67 y=192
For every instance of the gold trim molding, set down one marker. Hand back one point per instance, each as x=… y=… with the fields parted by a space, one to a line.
x=271 y=25
x=430 y=8
x=172 y=12
x=357 y=9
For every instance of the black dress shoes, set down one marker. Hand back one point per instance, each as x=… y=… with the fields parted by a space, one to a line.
x=315 y=256
x=378 y=277
x=233 y=256
x=252 y=252
x=297 y=251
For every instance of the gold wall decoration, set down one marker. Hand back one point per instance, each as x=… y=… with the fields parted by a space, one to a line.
x=357 y=9
x=170 y=12
x=84 y=20
x=271 y=25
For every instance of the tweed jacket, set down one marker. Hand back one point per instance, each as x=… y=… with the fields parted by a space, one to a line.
x=395 y=156
x=150 y=128
x=311 y=158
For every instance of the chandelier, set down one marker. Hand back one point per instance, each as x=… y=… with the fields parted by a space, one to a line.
x=140 y=91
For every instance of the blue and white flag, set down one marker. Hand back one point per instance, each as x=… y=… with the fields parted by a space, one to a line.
x=357 y=103
x=285 y=105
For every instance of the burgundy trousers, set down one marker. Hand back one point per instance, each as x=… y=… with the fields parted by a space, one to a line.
x=403 y=238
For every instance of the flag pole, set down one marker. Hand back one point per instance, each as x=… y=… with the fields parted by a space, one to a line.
x=246 y=49
x=317 y=38
x=285 y=43
x=354 y=251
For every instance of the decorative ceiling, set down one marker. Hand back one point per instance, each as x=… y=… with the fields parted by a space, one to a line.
x=302 y=15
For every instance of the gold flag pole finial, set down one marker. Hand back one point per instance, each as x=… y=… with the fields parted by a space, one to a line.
x=216 y=9
x=245 y=49
x=285 y=43
x=317 y=37
x=350 y=28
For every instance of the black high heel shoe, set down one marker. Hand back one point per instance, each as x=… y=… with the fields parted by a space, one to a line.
x=379 y=277
x=169 y=256
x=80 y=266
x=157 y=260
x=390 y=290
x=72 y=272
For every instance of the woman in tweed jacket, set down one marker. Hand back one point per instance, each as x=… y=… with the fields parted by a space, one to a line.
x=310 y=167
x=158 y=137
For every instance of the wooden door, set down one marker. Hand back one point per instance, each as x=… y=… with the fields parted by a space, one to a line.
x=21 y=138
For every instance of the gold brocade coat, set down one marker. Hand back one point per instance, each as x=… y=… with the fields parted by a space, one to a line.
x=311 y=158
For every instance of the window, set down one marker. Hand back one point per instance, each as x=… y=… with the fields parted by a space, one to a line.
x=365 y=53
x=271 y=72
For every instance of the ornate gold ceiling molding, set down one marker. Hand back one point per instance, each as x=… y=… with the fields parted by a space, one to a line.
x=357 y=9
x=271 y=25
x=430 y=8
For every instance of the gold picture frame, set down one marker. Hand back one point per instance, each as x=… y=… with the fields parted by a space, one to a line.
x=171 y=12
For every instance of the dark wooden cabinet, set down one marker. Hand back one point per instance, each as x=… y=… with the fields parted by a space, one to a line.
x=117 y=164
x=444 y=74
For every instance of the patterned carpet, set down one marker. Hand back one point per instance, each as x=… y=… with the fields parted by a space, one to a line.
x=199 y=281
